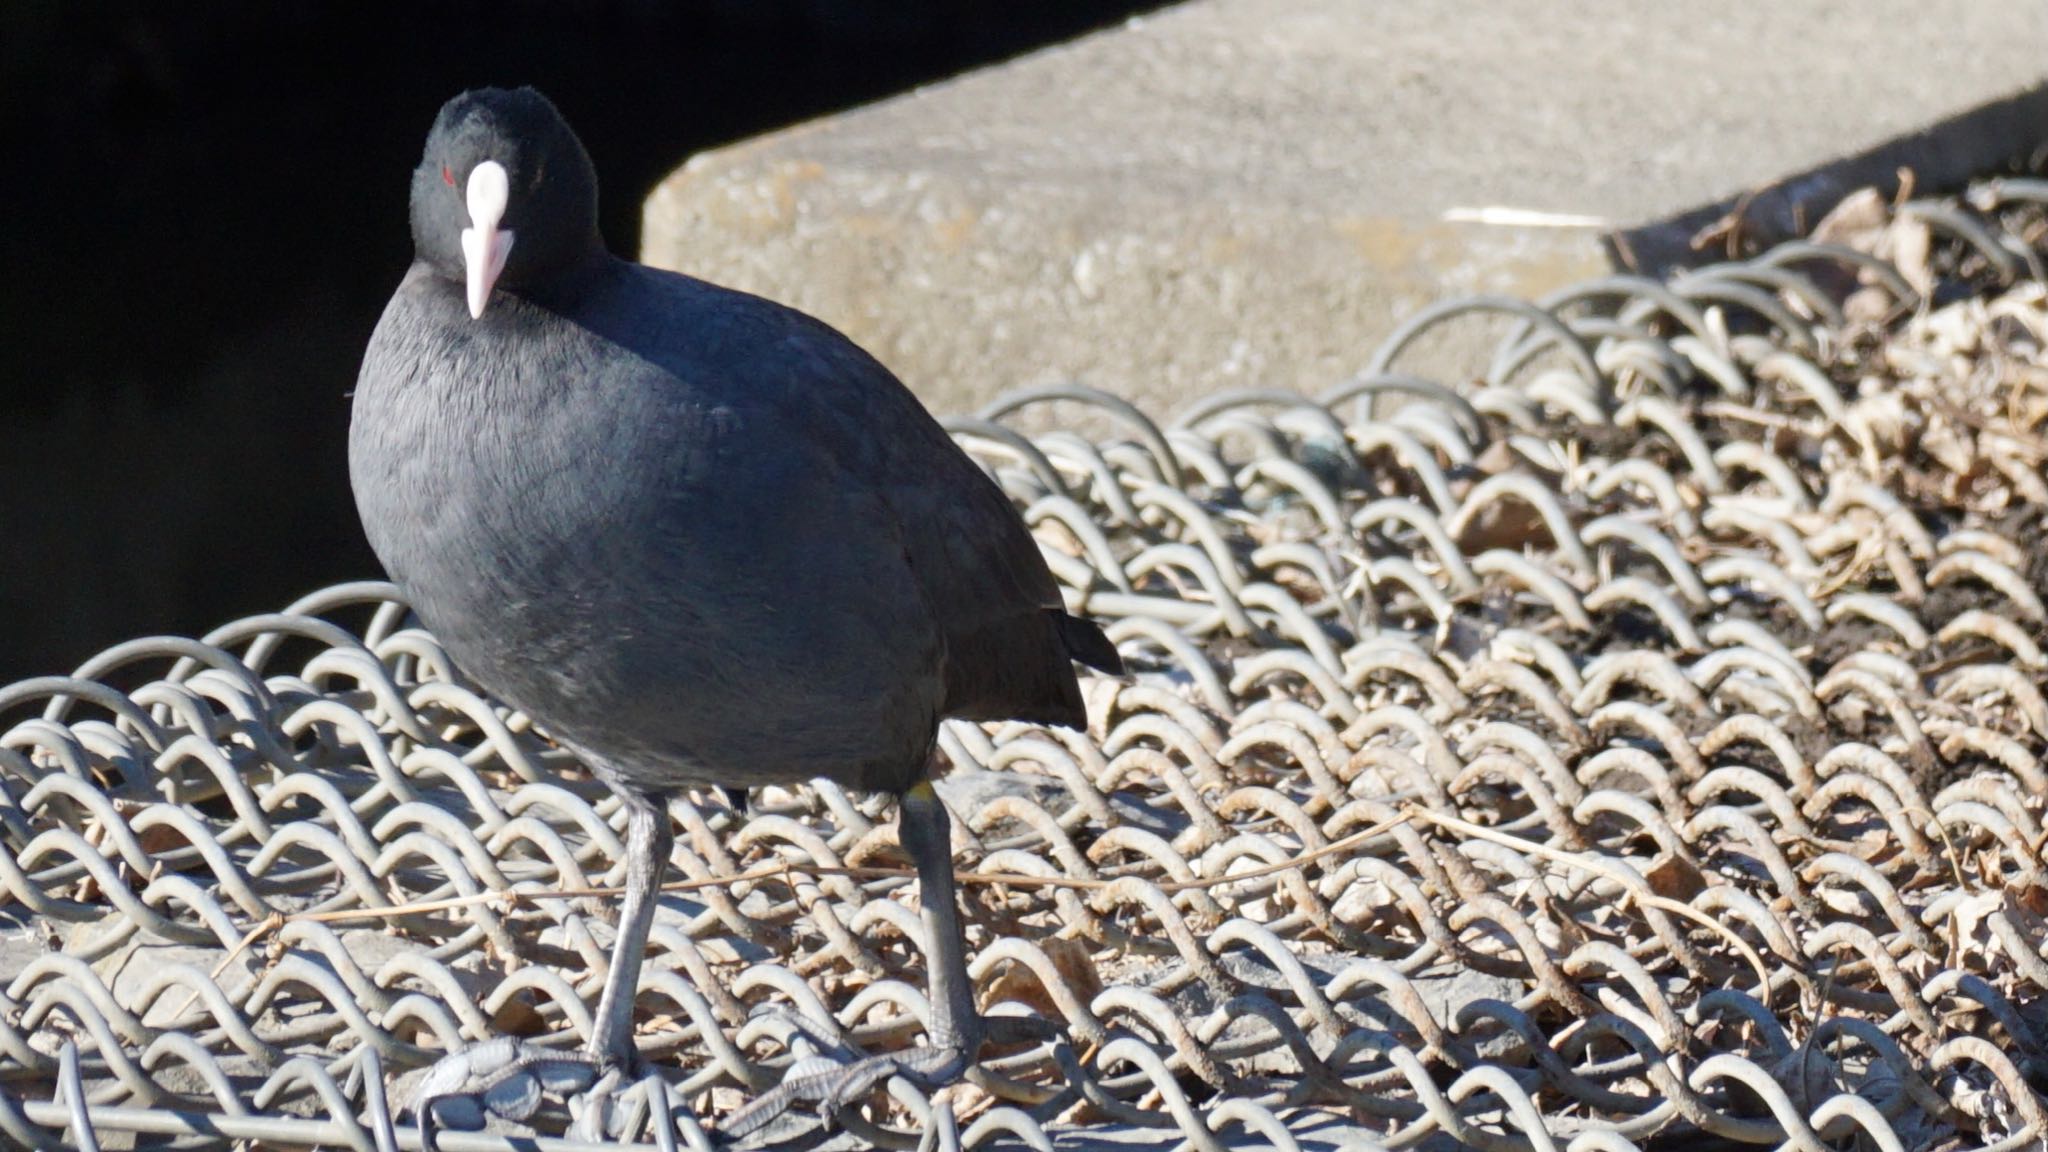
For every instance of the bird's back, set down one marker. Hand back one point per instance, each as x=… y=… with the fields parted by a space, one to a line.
x=975 y=563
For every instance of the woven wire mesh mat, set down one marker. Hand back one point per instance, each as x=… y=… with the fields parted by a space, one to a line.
x=1632 y=741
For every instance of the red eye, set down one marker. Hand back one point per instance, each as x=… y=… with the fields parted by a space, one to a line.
x=447 y=177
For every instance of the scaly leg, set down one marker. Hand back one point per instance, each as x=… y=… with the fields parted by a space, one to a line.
x=955 y=1032
x=507 y=1078
x=648 y=842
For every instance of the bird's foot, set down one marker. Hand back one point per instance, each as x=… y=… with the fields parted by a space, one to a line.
x=830 y=1085
x=509 y=1078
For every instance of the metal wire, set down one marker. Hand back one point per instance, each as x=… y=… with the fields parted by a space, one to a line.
x=1685 y=675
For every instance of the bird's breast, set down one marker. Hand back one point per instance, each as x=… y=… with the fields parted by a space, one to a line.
x=646 y=564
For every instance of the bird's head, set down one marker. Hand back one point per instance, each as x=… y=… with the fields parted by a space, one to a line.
x=505 y=196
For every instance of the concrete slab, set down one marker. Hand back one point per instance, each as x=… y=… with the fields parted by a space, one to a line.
x=1256 y=191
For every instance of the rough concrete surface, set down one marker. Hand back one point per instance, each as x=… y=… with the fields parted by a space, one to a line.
x=1253 y=192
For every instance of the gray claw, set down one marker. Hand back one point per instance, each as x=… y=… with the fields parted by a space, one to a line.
x=505 y=1078
x=833 y=1086
x=825 y=1038
x=459 y=1113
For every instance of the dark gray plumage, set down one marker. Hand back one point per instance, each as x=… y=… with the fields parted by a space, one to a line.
x=703 y=539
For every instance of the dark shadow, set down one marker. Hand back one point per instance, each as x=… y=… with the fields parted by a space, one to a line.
x=204 y=211
x=2004 y=136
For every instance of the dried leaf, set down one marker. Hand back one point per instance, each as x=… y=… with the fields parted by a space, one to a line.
x=1950 y=446
x=1509 y=524
x=2029 y=894
x=1911 y=244
x=1071 y=959
x=1675 y=877
x=1857 y=222
x=518 y=1017
x=158 y=839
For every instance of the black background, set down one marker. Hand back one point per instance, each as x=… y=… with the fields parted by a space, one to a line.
x=202 y=212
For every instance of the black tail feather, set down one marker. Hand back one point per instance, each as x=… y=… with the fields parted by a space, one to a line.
x=1085 y=642
x=1021 y=669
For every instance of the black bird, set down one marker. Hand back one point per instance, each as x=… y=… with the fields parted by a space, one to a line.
x=701 y=538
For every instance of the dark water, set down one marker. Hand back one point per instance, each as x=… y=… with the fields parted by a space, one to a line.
x=202 y=210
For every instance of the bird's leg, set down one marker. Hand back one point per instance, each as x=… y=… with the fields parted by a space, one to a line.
x=506 y=1077
x=648 y=843
x=925 y=830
